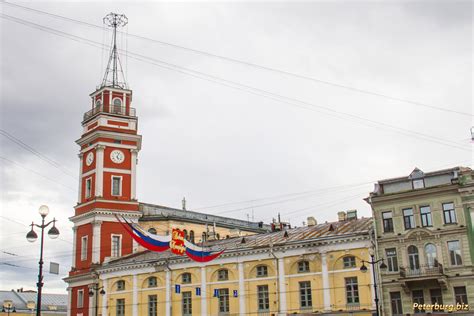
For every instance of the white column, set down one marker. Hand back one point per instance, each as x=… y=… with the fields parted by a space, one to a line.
x=168 y=293
x=241 y=289
x=96 y=233
x=69 y=301
x=203 y=291
x=282 y=286
x=104 y=297
x=135 y=296
x=91 y=301
x=79 y=191
x=133 y=175
x=325 y=275
x=99 y=171
x=74 y=246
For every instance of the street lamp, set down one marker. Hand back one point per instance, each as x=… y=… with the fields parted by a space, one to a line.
x=382 y=266
x=31 y=237
x=8 y=309
x=93 y=290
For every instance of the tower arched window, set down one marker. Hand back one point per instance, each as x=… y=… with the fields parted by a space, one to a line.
x=98 y=103
x=117 y=102
x=430 y=253
x=413 y=258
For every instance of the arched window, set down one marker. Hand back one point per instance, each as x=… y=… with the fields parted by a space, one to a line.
x=117 y=102
x=191 y=236
x=152 y=231
x=223 y=275
x=97 y=103
x=303 y=266
x=120 y=285
x=204 y=237
x=430 y=253
x=186 y=278
x=413 y=258
x=262 y=271
x=185 y=234
x=218 y=236
x=152 y=282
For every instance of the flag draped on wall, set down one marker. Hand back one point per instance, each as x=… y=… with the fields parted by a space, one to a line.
x=175 y=242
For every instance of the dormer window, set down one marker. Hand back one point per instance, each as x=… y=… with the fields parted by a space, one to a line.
x=418 y=184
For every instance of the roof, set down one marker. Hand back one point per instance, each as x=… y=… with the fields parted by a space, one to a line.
x=20 y=299
x=425 y=174
x=320 y=232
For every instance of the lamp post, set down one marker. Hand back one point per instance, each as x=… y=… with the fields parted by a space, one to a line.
x=93 y=290
x=31 y=237
x=382 y=266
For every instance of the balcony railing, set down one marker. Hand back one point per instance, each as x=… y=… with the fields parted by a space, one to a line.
x=423 y=270
x=112 y=109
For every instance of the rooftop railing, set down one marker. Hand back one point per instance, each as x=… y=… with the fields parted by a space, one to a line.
x=112 y=109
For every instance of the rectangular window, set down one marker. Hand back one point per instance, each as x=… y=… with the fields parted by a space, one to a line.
x=88 y=188
x=116 y=250
x=303 y=266
x=418 y=297
x=392 y=259
x=84 y=248
x=187 y=304
x=263 y=298
x=80 y=298
x=418 y=184
x=455 y=253
x=120 y=307
x=224 y=306
x=449 y=213
x=387 y=222
x=396 y=302
x=436 y=296
x=460 y=295
x=116 y=186
x=152 y=305
x=425 y=212
x=349 y=262
x=262 y=271
x=408 y=218
x=306 y=299
x=352 y=290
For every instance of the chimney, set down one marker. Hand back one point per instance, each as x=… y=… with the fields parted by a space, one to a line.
x=183 y=202
x=341 y=216
x=312 y=221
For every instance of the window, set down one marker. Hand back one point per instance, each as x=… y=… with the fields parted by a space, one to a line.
x=392 y=259
x=418 y=184
x=218 y=236
x=396 y=302
x=88 y=188
x=352 y=290
x=387 y=222
x=436 y=296
x=262 y=271
x=117 y=103
x=191 y=236
x=430 y=255
x=418 y=297
x=116 y=186
x=425 y=212
x=349 y=262
x=120 y=285
x=120 y=307
x=449 y=213
x=116 y=250
x=204 y=237
x=223 y=275
x=460 y=295
x=84 y=248
x=306 y=300
x=303 y=266
x=185 y=234
x=408 y=218
x=186 y=278
x=263 y=298
x=413 y=258
x=224 y=306
x=152 y=305
x=152 y=231
x=187 y=304
x=454 y=252
x=152 y=282
x=97 y=103
x=80 y=298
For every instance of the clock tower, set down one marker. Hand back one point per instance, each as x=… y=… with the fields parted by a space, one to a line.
x=109 y=146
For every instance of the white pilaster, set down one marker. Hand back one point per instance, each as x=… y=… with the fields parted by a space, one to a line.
x=133 y=192
x=74 y=246
x=69 y=301
x=241 y=289
x=282 y=286
x=96 y=233
x=104 y=297
x=325 y=275
x=168 y=293
x=203 y=291
x=79 y=192
x=135 y=296
x=99 y=171
x=91 y=302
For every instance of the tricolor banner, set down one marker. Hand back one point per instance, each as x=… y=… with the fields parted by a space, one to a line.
x=176 y=242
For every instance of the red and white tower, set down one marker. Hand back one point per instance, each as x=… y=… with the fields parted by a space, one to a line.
x=109 y=147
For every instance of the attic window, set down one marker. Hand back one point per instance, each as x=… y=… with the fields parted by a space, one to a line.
x=418 y=184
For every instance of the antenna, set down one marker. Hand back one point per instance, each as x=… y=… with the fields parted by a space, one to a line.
x=114 y=66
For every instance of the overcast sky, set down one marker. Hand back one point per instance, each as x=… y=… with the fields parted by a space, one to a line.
x=215 y=144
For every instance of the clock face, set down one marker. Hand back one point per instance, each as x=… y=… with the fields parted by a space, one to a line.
x=117 y=156
x=89 y=158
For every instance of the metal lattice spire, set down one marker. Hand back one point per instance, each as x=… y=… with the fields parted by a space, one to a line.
x=114 y=75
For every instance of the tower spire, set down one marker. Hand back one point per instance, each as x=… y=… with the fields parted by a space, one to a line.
x=114 y=76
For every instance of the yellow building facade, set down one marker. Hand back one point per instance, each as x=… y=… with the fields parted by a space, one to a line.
x=306 y=270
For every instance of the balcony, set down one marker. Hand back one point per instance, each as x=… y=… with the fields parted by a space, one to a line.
x=110 y=109
x=425 y=274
